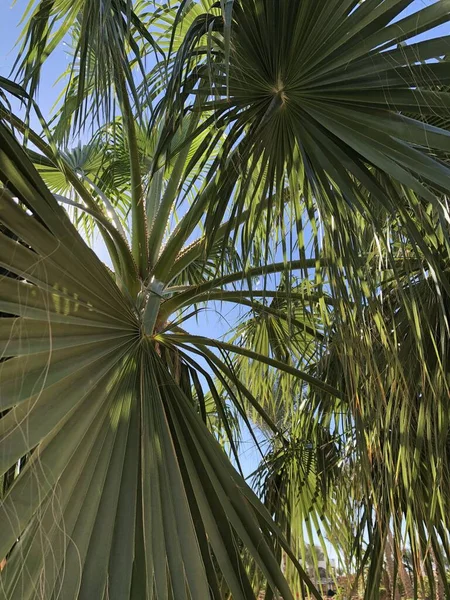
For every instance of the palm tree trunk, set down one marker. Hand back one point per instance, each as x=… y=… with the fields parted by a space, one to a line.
x=439 y=584
x=387 y=585
x=406 y=580
x=390 y=567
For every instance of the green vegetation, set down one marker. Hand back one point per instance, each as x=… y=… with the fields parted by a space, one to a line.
x=289 y=160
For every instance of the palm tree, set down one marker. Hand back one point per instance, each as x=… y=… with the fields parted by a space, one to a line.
x=229 y=143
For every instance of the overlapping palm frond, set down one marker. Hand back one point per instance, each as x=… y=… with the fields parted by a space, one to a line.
x=269 y=140
x=106 y=38
x=387 y=356
x=283 y=324
x=315 y=93
x=102 y=446
x=305 y=484
x=115 y=433
x=398 y=402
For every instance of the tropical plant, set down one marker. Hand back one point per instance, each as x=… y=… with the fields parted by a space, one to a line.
x=281 y=157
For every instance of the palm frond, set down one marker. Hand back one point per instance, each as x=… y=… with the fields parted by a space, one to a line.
x=125 y=488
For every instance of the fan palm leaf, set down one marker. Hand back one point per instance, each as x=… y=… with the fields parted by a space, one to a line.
x=117 y=444
x=314 y=94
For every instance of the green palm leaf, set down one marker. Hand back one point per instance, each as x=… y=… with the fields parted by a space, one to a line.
x=125 y=492
x=314 y=95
